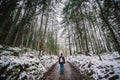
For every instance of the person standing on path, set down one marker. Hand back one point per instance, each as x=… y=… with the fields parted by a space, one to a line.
x=61 y=62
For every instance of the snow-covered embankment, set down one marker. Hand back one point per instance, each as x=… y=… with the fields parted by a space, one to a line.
x=107 y=69
x=19 y=64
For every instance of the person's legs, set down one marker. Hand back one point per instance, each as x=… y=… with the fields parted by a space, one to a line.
x=61 y=68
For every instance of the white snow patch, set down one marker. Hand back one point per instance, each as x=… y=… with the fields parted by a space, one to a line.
x=1 y=46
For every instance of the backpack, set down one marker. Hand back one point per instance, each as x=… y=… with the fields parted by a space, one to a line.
x=61 y=59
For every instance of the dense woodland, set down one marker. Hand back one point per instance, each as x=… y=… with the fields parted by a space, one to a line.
x=93 y=24
x=24 y=23
x=33 y=33
x=90 y=26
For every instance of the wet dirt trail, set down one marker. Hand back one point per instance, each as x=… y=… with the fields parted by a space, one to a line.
x=69 y=74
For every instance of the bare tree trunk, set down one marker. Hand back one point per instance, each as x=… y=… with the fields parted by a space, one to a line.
x=85 y=34
x=80 y=39
x=46 y=25
x=40 y=37
x=74 y=39
x=28 y=36
x=89 y=35
x=69 y=41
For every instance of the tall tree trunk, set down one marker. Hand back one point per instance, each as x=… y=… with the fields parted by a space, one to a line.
x=46 y=25
x=74 y=39
x=40 y=37
x=80 y=39
x=89 y=35
x=69 y=42
x=85 y=34
x=28 y=36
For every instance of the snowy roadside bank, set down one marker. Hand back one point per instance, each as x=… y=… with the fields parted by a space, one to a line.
x=107 y=69
x=19 y=64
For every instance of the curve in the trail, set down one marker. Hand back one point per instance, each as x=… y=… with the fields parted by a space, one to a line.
x=69 y=74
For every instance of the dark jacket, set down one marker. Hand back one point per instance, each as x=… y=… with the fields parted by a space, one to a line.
x=62 y=58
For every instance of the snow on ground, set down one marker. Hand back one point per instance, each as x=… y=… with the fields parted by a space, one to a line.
x=107 y=69
x=19 y=64
x=1 y=46
x=47 y=61
x=25 y=65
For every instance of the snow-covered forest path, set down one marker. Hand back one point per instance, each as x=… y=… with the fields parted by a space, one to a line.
x=70 y=73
